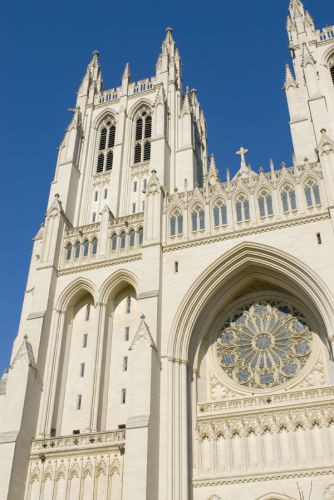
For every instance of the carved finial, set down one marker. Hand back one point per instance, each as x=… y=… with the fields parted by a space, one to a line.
x=260 y=170
x=228 y=175
x=142 y=316
x=96 y=53
x=283 y=164
x=169 y=29
x=25 y=337
x=271 y=164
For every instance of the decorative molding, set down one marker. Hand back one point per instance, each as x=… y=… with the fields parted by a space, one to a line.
x=270 y=476
x=100 y=264
x=244 y=232
x=143 y=335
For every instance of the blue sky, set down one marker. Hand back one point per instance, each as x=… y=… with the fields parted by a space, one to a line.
x=233 y=53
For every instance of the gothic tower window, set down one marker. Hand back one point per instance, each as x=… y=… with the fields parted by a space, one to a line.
x=176 y=223
x=85 y=248
x=94 y=246
x=288 y=196
x=77 y=250
x=140 y=236
x=106 y=146
x=331 y=68
x=312 y=193
x=113 y=242
x=219 y=214
x=265 y=204
x=242 y=209
x=68 y=251
x=197 y=219
x=132 y=238
x=123 y=240
x=143 y=133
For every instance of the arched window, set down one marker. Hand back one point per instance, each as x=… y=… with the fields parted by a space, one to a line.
x=143 y=133
x=197 y=219
x=288 y=196
x=113 y=242
x=85 y=248
x=94 y=246
x=265 y=202
x=132 y=238
x=219 y=214
x=312 y=193
x=176 y=223
x=123 y=239
x=107 y=141
x=242 y=209
x=68 y=251
x=140 y=236
x=77 y=250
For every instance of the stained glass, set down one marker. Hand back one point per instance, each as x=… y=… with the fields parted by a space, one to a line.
x=264 y=346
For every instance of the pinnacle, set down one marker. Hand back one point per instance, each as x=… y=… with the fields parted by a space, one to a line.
x=289 y=79
x=126 y=72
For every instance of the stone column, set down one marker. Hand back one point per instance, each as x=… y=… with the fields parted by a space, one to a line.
x=52 y=375
x=96 y=397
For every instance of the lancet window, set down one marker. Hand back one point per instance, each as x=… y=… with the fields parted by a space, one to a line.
x=143 y=134
x=132 y=238
x=312 y=193
x=94 y=246
x=219 y=214
x=288 y=196
x=106 y=146
x=242 y=209
x=68 y=251
x=176 y=223
x=85 y=248
x=265 y=202
x=140 y=236
x=197 y=219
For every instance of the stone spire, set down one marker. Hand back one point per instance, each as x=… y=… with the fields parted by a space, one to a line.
x=300 y=24
x=169 y=60
x=126 y=73
x=92 y=81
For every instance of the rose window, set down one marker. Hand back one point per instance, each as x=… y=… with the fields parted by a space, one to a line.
x=264 y=346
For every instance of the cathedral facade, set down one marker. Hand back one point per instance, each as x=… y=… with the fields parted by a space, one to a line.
x=136 y=374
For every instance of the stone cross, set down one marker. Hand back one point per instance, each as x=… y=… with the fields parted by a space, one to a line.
x=242 y=153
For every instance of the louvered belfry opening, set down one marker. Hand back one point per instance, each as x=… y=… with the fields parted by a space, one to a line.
x=143 y=133
x=106 y=145
x=332 y=72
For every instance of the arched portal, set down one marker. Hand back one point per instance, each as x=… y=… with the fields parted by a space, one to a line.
x=249 y=275
x=120 y=318
x=77 y=345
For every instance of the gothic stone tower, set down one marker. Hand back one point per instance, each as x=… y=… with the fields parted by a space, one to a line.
x=137 y=375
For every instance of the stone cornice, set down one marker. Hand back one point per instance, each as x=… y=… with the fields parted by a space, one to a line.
x=100 y=264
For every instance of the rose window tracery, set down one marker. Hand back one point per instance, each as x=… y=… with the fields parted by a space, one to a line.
x=264 y=345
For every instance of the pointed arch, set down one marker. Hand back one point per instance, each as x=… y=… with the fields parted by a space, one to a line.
x=102 y=116
x=116 y=280
x=225 y=275
x=73 y=289
x=142 y=103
